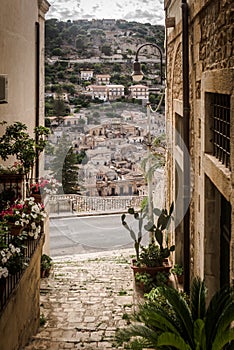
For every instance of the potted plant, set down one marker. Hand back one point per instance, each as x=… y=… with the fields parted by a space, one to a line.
x=33 y=216
x=178 y=272
x=12 y=260
x=46 y=263
x=174 y=320
x=153 y=258
x=46 y=185
x=12 y=218
x=137 y=237
x=17 y=142
x=23 y=216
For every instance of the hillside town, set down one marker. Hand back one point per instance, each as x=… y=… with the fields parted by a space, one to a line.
x=102 y=118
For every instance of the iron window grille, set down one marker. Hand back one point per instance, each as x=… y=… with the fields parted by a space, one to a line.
x=221 y=128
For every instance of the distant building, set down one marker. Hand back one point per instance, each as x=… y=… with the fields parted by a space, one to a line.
x=86 y=74
x=98 y=91
x=108 y=22
x=115 y=91
x=106 y=92
x=61 y=96
x=103 y=79
x=74 y=120
x=139 y=91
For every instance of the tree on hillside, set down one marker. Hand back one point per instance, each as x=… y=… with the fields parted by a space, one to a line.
x=60 y=108
x=106 y=49
x=70 y=173
x=64 y=167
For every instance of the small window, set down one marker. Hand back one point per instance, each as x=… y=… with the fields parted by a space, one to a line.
x=220 y=126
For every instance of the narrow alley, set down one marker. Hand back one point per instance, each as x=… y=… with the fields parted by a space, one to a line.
x=84 y=301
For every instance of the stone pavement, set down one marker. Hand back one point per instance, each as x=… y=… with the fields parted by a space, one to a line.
x=84 y=301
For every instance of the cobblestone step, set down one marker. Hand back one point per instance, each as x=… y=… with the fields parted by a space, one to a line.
x=84 y=300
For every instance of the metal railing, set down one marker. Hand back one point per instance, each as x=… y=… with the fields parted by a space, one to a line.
x=221 y=128
x=8 y=284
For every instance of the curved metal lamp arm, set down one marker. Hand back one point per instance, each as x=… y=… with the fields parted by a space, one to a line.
x=161 y=56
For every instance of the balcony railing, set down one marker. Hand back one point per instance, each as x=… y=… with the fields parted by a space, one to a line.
x=8 y=284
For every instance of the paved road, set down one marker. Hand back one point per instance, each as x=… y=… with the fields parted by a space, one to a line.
x=75 y=235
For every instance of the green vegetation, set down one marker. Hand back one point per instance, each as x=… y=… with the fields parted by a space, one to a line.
x=172 y=320
x=64 y=167
x=81 y=39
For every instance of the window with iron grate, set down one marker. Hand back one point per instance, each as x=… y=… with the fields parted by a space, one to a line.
x=220 y=126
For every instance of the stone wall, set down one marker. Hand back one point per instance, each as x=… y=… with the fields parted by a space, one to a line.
x=211 y=60
x=21 y=317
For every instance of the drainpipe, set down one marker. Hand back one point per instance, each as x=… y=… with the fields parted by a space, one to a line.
x=37 y=110
x=186 y=131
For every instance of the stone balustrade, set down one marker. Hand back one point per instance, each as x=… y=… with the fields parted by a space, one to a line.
x=85 y=204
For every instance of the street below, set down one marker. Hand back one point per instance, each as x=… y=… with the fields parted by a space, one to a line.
x=78 y=235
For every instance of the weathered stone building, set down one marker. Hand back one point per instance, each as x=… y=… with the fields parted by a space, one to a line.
x=200 y=118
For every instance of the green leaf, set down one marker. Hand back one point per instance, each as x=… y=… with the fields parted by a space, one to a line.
x=157 y=211
x=199 y=333
x=170 y=339
x=149 y=226
x=218 y=311
x=182 y=313
x=136 y=216
x=222 y=339
x=123 y=217
x=163 y=221
x=131 y=210
x=132 y=234
x=159 y=236
x=198 y=298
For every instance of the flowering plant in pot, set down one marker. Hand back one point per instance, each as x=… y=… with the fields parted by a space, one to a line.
x=33 y=216
x=45 y=185
x=12 y=218
x=26 y=215
x=12 y=260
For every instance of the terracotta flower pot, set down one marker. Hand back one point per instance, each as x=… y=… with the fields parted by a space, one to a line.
x=38 y=197
x=152 y=271
x=15 y=230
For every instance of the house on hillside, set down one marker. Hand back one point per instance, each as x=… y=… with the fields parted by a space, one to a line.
x=22 y=100
x=199 y=125
x=86 y=74
x=98 y=92
x=103 y=79
x=61 y=96
x=115 y=91
x=139 y=91
x=106 y=92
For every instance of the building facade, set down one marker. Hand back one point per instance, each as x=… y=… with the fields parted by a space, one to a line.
x=200 y=125
x=139 y=91
x=86 y=74
x=22 y=100
x=103 y=79
x=22 y=62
